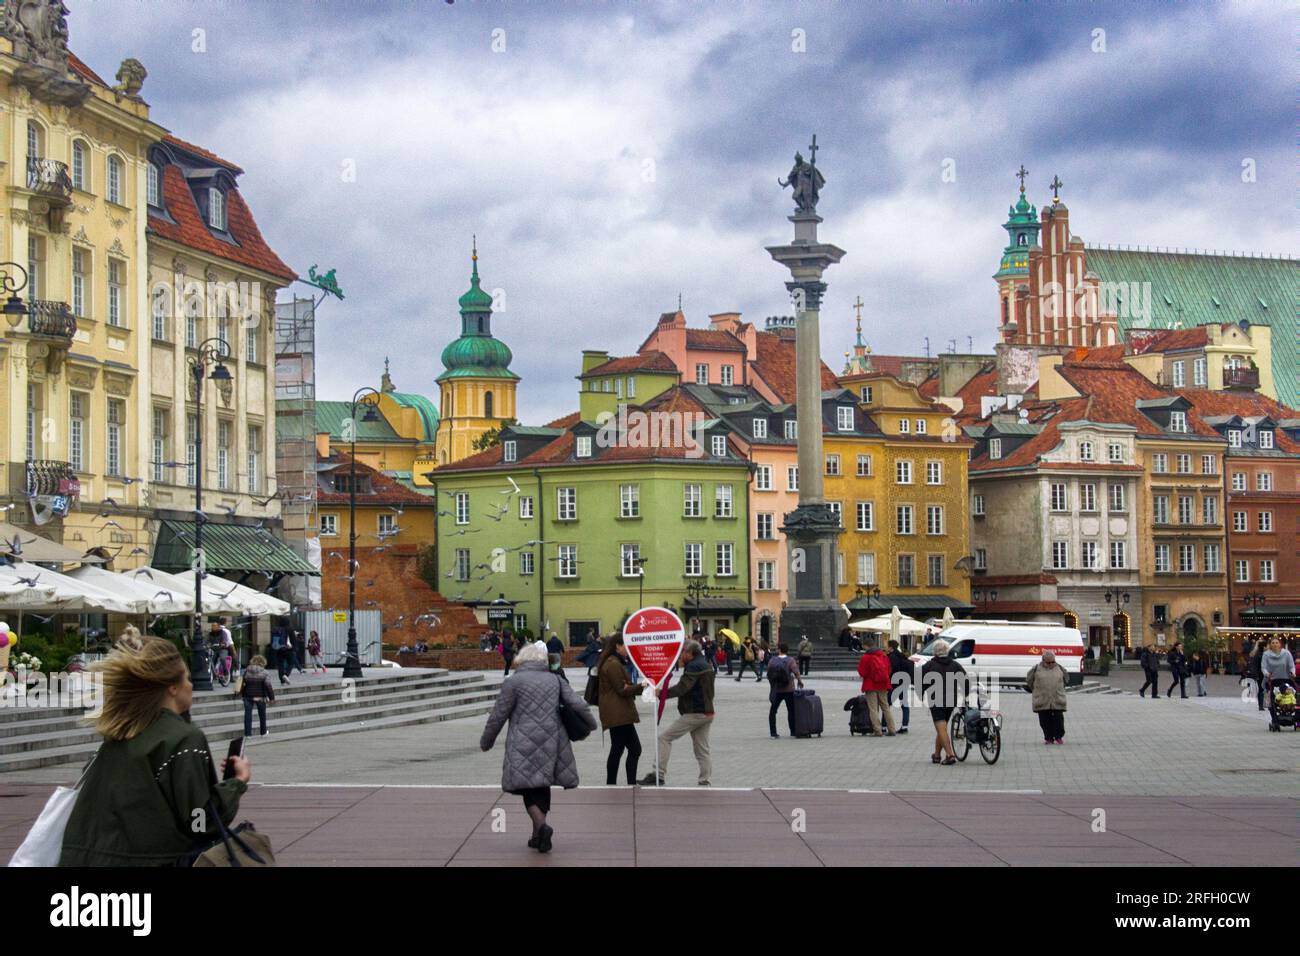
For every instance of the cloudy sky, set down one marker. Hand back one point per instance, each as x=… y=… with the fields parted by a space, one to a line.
x=611 y=155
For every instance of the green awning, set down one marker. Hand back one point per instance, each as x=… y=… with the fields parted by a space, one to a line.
x=226 y=547
x=906 y=603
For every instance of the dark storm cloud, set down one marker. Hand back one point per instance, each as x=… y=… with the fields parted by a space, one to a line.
x=615 y=155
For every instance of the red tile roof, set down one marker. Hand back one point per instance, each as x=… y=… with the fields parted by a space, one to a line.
x=189 y=229
x=86 y=73
x=200 y=151
x=1141 y=341
x=648 y=361
x=387 y=491
x=566 y=421
x=983 y=384
x=930 y=387
x=775 y=365
x=1115 y=390
x=893 y=364
x=1209 y=403
x=1029 y=453
x=713 y=340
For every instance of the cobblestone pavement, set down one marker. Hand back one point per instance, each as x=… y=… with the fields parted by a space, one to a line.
x=1115 y=744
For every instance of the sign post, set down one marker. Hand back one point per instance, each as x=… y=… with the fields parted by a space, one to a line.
x=654 y=638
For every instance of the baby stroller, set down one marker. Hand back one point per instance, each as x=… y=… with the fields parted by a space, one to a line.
x=1281 y=704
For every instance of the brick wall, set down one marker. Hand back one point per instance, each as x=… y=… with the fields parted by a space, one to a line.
x=466 y=659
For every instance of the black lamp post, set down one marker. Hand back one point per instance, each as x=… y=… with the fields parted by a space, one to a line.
x=697 y=589
x=211 y=353
x=1253 y=600
x=14 y=308
x=367 y=398
x=984 y=596
x=640 y=581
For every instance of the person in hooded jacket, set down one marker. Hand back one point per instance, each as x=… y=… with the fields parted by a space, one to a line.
x=901 y=687
x=1150 y=662
x=873 y=668
x=538 y=753
x=1177 y=668
x=256 y=691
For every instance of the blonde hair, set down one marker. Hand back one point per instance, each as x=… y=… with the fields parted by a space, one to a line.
x=257 y=660
x=136 y=676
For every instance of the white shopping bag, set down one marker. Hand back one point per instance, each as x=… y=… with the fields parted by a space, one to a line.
x=44 y=841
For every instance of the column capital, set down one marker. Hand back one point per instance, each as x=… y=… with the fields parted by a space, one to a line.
x=807 y=294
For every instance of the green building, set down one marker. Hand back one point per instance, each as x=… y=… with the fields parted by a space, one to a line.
x=575 y=525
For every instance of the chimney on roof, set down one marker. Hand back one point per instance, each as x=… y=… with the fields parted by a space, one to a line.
x=593 y=357
x=725 y=321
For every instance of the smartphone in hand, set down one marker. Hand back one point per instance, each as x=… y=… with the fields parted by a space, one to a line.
x=236 y=749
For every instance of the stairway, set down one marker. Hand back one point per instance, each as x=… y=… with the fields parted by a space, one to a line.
x=43 y=736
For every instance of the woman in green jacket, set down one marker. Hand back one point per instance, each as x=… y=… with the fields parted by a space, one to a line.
x=149 y=793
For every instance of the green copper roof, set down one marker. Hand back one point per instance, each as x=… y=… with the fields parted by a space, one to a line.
x=428 y=411
x=330 y=417
x=1021 y=218
x=1189 y=289
x=475 y=300
x=477 y=354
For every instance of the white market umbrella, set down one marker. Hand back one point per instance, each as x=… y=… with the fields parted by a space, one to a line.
x=947 y=618
x=216 y=600
x=884 y=624
x=256 y=602
x=895 y=619
x=69 y=594
x=157 y=599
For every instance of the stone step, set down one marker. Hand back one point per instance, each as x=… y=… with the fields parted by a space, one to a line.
x=340 y=720
x=233 y=710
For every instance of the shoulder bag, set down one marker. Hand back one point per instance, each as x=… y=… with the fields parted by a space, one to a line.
x=574 y=726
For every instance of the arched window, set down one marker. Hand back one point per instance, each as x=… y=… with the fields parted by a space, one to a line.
x=1022 y=239
x=487 y=405
x=80 y=166
x=113 y=187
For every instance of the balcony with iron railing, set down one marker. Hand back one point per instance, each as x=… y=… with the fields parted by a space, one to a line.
x=52 y=321
x=1241 y=376
x=47 y=477
x=49 y=179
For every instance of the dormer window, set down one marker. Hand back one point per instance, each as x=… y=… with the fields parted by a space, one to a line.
x=995 y=448
x=1178 y=421
x=1085 y=451
x=760 y=427
x=1234 y=438
x=865 y=392
x=582 y=446
x=718 y=445
x=510 y=450
x=844 y=418
x=155 y=186
x=216 y=209
x=791 y=428
x=1266 y=439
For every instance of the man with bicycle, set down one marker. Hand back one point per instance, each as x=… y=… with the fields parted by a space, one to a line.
x=223 y=650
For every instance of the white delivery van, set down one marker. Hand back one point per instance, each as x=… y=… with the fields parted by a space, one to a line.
x=1008 y=649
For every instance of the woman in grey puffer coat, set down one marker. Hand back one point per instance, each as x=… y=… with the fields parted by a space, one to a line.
x=538 y=755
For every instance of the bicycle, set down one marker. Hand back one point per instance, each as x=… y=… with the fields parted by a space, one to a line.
x=222 y=669
x=988 y=732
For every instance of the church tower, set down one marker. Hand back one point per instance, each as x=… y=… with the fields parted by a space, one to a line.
x=477 y=390
x=1013 y=272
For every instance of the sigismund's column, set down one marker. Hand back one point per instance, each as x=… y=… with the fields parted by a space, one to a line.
x=813 y=608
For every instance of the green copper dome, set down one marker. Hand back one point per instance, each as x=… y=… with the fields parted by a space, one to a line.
x=476 y=354
x=475 y=300
x=1022 y=228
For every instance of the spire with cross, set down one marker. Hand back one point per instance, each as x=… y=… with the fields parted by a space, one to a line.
x=812 y=151
x=1056 y=185
x=1020 y=175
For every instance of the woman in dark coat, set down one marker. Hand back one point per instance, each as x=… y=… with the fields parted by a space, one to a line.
x=148 y=796
x=944 y=686
x=1178 y=668
x=618 y=710
x=538 y=754
x=1150 y=662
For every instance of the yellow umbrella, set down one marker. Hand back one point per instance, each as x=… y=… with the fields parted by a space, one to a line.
x=730 y=635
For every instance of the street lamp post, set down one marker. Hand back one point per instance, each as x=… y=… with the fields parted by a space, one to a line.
x=984 y=597
x=14 y=308
x=367 y=397
x=211 y=352
x=640 y=581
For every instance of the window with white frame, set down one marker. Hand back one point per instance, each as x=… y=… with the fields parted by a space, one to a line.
x=767 y=575
x=837 y=509
x=462 y=564
x=1234 y=438
x=1184 y=464
x=725 y=553
x=386 y=525
x=630 y=560
x=1091 y=556
x=866 y=567
x=1060 y=496
x=1265 y=439
x=977 y=505
x=833 y=465
x=1187 y=559
x=1264 y=522
x=1208 y=465
x=329 y=526
x=1266 y=570
x=1115 y=453
x=525 y=506
x=844 y=418
x=691 y=499
x=1117 y=497
x=934 y=519
x=866 y=515
x=981 y=559
x=618 y=388
x=631 y=386
x=216 y=208
x=79 y=282
x=254 y=459
x=582 y=446
x=727 y=375
x=1160 y=509
x=792 y=478
x=462 y=507
x=1160 y=463
x=113 y=189
x=718 y=445
x=722 y=501
x=1118 y=555
x=701 y=374
x=906 y=571
x=1210 y=509
x=1162 y=564
x=115 y=277
x=903 y=519
x=1198 y=372
x=921 y=426
x=223 y=454
x=694 y=559
x=158 y=447
x=1186 y=504
x=1060 y=555
x=629 y=501
x=80 y=157
x=904 y=426
x=153 y=191
x=1263 y=481
x=934 y=570
x=759 y=427
x=567 y=555
x=158 y=311
x=1240 y=522
x=864 y=466
x=763 y=478
x=1242 y=569
x=791 y=428
x=1085 y=451
x=1178 y=421
x=865 y=393
x=1238 y=481
x=566 y=504
x=115 y=421
x=995 y=448
x=902 y=472
x=510 y=450
x=1180 y=374
x=77 y=404
x=1087 y=496
x=1212 y=559
x=934 y=473
x=763 y=526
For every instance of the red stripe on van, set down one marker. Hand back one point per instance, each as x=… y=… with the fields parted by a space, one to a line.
x=1034 y=650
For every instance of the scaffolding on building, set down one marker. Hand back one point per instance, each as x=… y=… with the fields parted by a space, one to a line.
x=295 y=434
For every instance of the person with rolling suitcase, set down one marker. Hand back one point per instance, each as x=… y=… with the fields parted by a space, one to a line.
x=782 y=678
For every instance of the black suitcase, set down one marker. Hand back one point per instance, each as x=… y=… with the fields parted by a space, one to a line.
x=807 y=713
x=859 y=715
